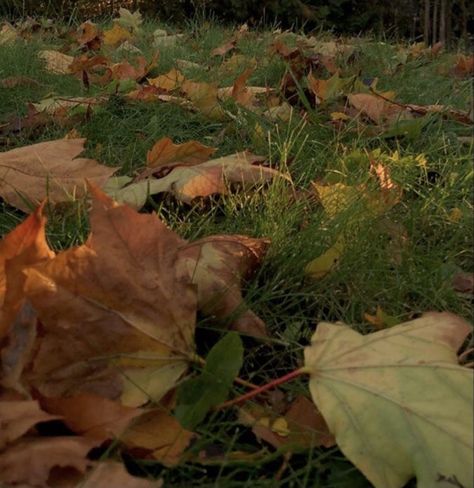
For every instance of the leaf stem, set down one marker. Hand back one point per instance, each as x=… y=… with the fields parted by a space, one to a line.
x=261 y=389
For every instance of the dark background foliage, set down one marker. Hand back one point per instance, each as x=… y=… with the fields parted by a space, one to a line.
x=429 y=20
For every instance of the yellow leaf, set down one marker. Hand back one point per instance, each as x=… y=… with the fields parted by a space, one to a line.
x=56 y=62
x=116 y=35
x=397 y=400
x=322 y=265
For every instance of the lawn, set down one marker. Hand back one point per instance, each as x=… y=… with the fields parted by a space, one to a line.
x=399 y=258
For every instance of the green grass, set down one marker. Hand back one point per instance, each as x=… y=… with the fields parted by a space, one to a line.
x=121 y=133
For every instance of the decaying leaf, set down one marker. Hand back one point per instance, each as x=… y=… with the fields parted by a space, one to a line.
x=169 y=81
x=50 y=170
x=116 y=35
x=112 y=474
x=397 y=402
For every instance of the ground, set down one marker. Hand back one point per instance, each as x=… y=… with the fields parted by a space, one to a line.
x=433 y=217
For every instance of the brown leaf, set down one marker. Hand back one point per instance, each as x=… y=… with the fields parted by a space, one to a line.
x=464 y=66
x=112 y=306
x=161 y=435
x=23 y=246
x=217 y=265
x=223 y=49
x=15 y=81
x=464 y=282
x=111 y=474
x=48 y=170
x=301 y=427
x=376 y=108
x=204 y=97
x=92 y=416
x=40 y=456
x=89 y=36
x=18 y=417
x=166 y=154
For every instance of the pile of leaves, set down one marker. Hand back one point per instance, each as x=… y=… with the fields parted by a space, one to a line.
x=99 y=360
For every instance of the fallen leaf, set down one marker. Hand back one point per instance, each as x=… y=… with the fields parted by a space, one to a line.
x=16 y=81
x=319 y=267
x=300 y=427
x=116 y=35
x=377 y=108
x=166 y=154
x=8 y=34
x=50 y=170
x=204 y=97
x=111 y=474
x=130 y=20
x=41 y=455
x=22 y=247
x=397 y=402
x=464 y=66
x=112 y=306
x=161 y=435
x=169 y=81
x=464 y=282
x=92 y=416
x=217 y=265
x=18 y=417
x=381 y=319
x=56 y=62
x=202 y=180
x=89 y=36
x=223 y=49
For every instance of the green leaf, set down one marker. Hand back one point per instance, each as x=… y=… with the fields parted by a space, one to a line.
x=397 y=401
x=198 y=395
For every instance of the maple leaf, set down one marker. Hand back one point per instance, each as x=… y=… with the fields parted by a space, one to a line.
x=23 y=246
x=165 y=154
x=48 y=170
x=378 y=109
x=112 y=309
x=204 y=97
x=202 y=180
x=397 y=402
x=89 y=36
x=217 y=265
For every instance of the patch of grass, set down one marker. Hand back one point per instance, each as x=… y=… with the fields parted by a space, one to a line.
x=372 y=272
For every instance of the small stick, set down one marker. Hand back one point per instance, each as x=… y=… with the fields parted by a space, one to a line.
x=261 y=389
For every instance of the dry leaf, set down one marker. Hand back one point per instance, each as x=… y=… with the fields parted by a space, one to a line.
x=204 y=97
x=208 y=178
x=111 y=306
x=224 y=48
x=217 y=265
x=169 y=81
x=8 y=34
x=41 y=455
x=22 y=247
x=111 y=474
x=16 y=81
x=92 y=416
x=48 y=170
x=161 y=434
x=377 y=108
x=397 y=402
x=166 y=154
x=56 y=62
x=18 y=417
x=116 y=35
